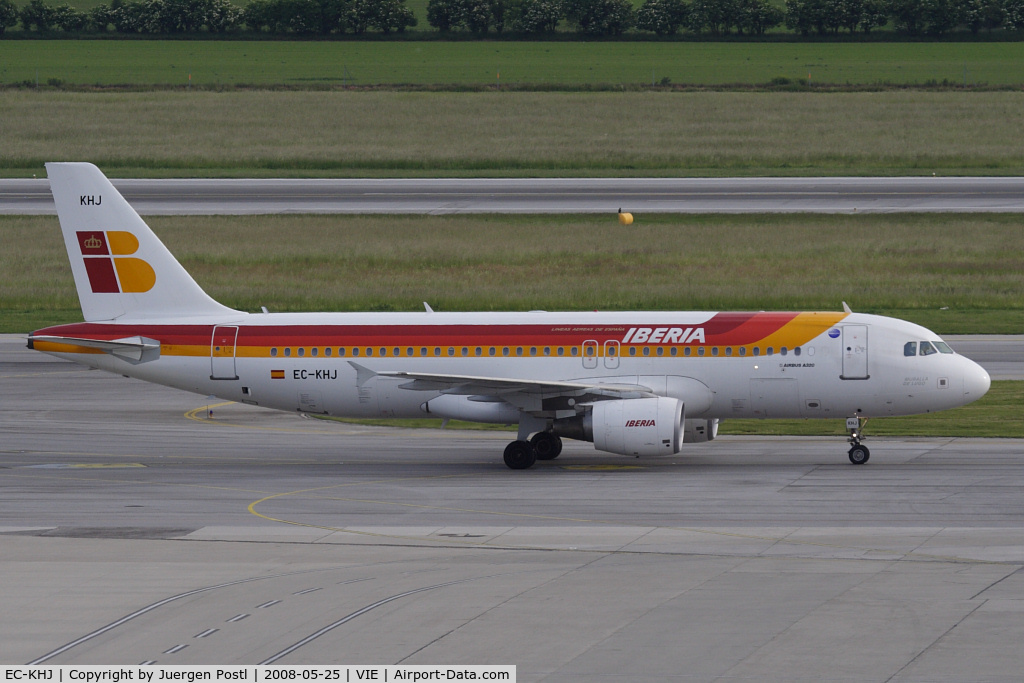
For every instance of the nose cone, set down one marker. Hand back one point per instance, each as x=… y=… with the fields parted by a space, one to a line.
x=976 y=382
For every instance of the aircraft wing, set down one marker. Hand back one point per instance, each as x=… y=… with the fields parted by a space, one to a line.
x=472 y=385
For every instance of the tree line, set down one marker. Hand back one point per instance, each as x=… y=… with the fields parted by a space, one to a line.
x=527 y=18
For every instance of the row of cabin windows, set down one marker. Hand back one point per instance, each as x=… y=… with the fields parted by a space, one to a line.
x=716 y=351
x=424 y=351
x=589 y=351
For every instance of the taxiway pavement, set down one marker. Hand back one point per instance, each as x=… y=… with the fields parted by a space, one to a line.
x=134 y=527
x=542 y=195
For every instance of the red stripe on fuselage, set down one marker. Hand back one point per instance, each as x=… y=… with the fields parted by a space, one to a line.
x=723 y=329
x=741 y=329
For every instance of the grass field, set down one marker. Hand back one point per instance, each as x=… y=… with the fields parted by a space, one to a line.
x=245 y=133
x=573 y=64
x=953 y=273
x=997 y=414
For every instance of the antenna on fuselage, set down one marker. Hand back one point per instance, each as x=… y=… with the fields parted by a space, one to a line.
x=846 y=307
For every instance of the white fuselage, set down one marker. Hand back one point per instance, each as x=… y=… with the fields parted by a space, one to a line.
x=835 y=366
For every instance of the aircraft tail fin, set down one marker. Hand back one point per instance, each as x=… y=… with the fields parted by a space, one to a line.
x=122 y=270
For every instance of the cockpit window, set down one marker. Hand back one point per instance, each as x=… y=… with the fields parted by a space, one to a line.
x=927 y=349
x=910 y=349
x=943 y=347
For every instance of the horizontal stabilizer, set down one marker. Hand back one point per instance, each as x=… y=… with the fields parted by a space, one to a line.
x=138 y=349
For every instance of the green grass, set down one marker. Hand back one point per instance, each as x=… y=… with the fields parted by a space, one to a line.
x=572 y=64
x=997 y=414
x=245 y=133
x=954 y=273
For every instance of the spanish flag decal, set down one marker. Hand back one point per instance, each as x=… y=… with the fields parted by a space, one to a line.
x=277 y=374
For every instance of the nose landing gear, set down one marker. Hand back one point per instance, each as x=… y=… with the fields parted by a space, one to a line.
x=859 y=453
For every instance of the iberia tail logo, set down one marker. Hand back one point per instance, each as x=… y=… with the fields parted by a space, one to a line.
x=110 y=266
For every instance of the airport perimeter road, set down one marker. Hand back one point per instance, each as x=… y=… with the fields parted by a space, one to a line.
x=544 y=195
x=1002 y=355
x=133 y=528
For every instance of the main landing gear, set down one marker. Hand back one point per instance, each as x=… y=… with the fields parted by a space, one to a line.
x=859 y=453
x=521 y=455
x=547 y=445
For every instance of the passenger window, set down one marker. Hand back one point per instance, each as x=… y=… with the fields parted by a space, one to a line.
x=369 y=351
x=784 y=351
x=700 y=351
x=757 y=350
x=533 y=350
x=423 y=351
x=573 y=351
x=504 y=350
x=451 y=351
x=465 y=351
x=714 y=351
x=687 y=351
x=519 y=350
x=547 y=350
x=327 y=351
x=661 y=350
x=561 y=351
x=728 y=350
x=302 y=352
x=927 y=349
x=491 y=351
x=314 y=351
x=408 y=351
x=647 y=350
x=743 y=350
x=341 y=351
x=478 y=351
x=796 y=351
x=383 y=351
x=910 y=349
x=273 y=353
x=770 y=351
x=355 y=350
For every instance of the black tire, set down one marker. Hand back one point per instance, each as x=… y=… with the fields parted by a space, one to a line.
x=519 y=455
x=859 y=455
x=546 y=445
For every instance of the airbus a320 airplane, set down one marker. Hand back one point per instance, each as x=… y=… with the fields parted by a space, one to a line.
x=632 y=383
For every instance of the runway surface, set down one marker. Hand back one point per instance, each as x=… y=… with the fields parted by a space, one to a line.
x=544 y=195
x=135 y=528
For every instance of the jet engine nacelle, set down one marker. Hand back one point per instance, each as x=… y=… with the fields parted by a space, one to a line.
x=639 y=426
x=699 y=431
